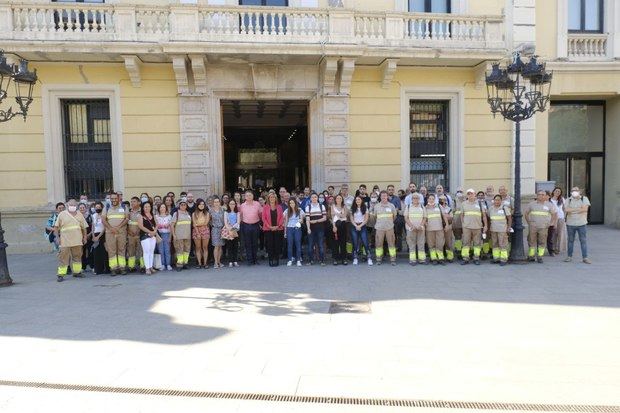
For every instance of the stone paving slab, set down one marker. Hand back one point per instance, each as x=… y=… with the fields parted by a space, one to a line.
x=522 y=333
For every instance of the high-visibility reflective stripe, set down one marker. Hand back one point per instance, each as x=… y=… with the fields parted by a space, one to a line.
x=440 y=254
x=497 y=217
x=433 y=255
x=63 y=270
x=541 y=251
x=449 y=255
x=76 y=268
x=379 y=252
x=392 y=252
x=121 y=261
x=384 y=215
x=470 y=213
x=412 y=256
x=540 y=213
x=457 y=212
x=531 y=252
x=121 y=216
x=70 y=227
x=476 y=252
x=183 y=222
x=434 y=216
x=416 y=215
x=421 y=255
x=133 y=223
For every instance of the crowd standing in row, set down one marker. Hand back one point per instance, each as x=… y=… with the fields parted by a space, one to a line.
x=153 y=233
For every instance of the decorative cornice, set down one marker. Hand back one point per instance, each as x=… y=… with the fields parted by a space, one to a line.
x=329 y=69
x=388 y=68
x=132 y=64
x=347 y=67
x=199 y=70
x=180 y=67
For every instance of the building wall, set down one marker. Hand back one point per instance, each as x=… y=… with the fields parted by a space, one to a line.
x=150 y=132
x=612 y=163
x=375 y=126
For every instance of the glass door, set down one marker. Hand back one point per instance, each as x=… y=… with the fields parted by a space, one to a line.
x=584 y=171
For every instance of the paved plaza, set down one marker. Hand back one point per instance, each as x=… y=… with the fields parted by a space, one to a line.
x=546 y=334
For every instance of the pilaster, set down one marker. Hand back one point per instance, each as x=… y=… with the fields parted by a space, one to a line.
x=196 y=166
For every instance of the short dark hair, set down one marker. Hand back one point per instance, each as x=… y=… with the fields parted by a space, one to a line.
x=390 y=185
x=59 y=204
x=136 y=198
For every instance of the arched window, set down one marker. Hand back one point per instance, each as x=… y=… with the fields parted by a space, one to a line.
x=281 y=3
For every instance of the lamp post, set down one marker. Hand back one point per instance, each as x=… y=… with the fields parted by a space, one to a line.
x=24 y=81
x=517 y=92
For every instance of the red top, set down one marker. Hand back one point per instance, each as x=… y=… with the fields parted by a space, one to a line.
x=250 y=212
x=267 y=218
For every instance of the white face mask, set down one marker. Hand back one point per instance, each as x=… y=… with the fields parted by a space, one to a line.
x=373 y=199
x=321 y=199
x=144 y=199
x=72 y=208
x=92 y=210
x=575 y=194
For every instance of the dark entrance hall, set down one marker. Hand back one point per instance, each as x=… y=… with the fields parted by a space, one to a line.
x=265 y=143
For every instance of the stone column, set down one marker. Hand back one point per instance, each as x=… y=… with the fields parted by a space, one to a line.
x=334 y=107
x=196 y=167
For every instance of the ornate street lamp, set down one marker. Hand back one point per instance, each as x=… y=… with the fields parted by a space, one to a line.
x=24 y=82
x=517 y=92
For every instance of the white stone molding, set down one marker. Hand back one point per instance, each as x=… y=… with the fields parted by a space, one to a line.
x=346 y=67
x=388 y=70
x=132 y=64
x=456 y=126
x=562 y=35
x=181 y=72
x=199 y=71
x=328 y=71
x=51 y=95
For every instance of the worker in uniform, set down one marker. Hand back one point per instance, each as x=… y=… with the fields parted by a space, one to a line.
x=485 y=203
x=115 y=221
x=415 y=222
x=435 y=237
x=446 y=211
x=182 y=234
x=457 y=221
x=71 y=226
x=134 y=248
x=539 y=214
x=385 y=213
x=474 y=225
x=501 y=223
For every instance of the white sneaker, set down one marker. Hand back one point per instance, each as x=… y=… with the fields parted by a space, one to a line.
x=288 y=264
x=299 y=263
x=169 y=268
x=354 y=261
x=370 y=261
x=236 y=264
x=230 y=264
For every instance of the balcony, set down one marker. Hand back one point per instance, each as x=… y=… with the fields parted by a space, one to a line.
x=587 y=46
x=24 y=26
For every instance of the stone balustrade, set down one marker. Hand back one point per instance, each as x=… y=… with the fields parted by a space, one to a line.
x=84 y=22
x=587 y=46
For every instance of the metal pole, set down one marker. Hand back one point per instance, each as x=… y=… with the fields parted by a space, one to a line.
x=5 y=278
x=517 y=252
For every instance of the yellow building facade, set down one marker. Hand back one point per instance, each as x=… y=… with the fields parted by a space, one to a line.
x=170 y=96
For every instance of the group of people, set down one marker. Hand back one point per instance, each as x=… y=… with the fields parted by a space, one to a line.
x=153 y=233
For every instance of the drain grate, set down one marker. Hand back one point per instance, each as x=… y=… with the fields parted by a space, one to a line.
x=439 y=404
x=355 y=307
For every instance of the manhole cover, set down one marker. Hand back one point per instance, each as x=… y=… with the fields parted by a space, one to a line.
x=107 y=285
x=357 y=307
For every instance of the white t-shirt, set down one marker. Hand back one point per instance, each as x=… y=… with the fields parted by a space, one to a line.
x=97 y=223
x=560 y=210
x=358 y=217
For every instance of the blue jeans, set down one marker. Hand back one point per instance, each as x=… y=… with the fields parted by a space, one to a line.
x=164 y=249
x=293 y=238
x=316 y=237
x=359 y=237
x=581 y=230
